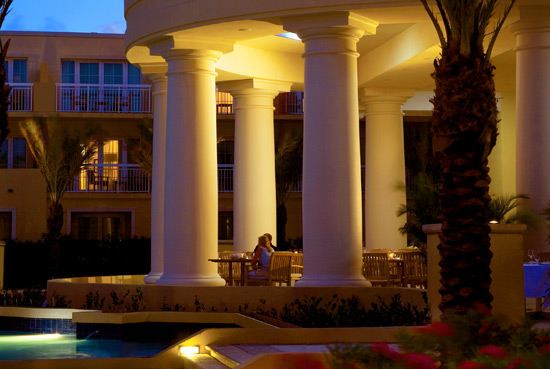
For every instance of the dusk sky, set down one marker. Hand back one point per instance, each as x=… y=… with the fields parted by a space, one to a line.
x=102 y=16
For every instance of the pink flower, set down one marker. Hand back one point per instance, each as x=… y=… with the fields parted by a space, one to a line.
x=545 y=349
x=418 y=361
x=493 y=351
x=520 y=363
x=385 y=350
x=471 y=365
x=439 y=329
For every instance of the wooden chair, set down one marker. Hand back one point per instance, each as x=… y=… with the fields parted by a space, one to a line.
x=415 y=270
x=277 y=273
x=296 y=267
x=544 y=256
x=223 y=268
x=376 y=268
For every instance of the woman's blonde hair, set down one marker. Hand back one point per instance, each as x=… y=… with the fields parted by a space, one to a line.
x=263 y=241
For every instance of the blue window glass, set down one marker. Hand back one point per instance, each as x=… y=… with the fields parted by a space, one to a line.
x=112 y=73
x=4 y=154
x=67 y=72
x=19 y=153
x=134 y=75
x=19 y=71
x=89 y=73
x=7 y=69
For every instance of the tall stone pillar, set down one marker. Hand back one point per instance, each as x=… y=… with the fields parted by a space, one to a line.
x=331 y=192
x=157 y=75
x=254 y=194
x=384 y=167
x=533 y=113
x=191 y=190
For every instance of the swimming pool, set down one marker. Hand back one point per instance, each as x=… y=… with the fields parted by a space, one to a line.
x=22 y=346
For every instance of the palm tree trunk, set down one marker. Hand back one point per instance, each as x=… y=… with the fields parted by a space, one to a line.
x=465 y=130
x=281 y=227
x=55 y=220
x=54 y=224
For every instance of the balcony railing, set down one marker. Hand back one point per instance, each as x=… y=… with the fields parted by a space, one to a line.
x=111 y=178
x=72 y=97
x=289 y=103
x=20 y=97
x=225 y=177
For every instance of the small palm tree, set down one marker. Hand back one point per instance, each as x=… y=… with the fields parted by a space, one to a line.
x=421 y=208
x=500 y=206
x=288 y=173
x=59 y=154
x=142 y=148
x=6 y=89
x=464 y=128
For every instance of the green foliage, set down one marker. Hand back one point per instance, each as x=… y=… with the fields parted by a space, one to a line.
x=500 y=206
x=93 y=301
x=314 y=312
x=471 y=340
x=422 y=208
x=141 y=149
x=29 y=297
x=59 y=301
x=121 y=305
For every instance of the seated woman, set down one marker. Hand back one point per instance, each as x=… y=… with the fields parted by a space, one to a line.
x=263 y=256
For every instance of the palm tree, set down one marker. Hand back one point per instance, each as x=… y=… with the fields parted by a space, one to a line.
x=141 y=148
x=6 y=89
x=288 y=173
x=500 y=206
x=465 y=131
x=59 y=154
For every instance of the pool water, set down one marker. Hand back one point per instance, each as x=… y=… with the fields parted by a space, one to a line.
x=22 y=346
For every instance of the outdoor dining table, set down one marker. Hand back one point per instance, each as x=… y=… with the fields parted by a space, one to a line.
x=397 y=269
x=241 y=261
x=536 y=278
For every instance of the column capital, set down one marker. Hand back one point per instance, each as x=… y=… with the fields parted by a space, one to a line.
x=152 y=69
x=383 y=101
x=254 y=84
x=533 y=18
x=172 y=46
x=306 y=25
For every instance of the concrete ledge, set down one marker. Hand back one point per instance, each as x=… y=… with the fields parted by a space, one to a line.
x=39 y=313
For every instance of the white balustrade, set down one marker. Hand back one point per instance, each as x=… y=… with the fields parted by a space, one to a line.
x=111 y=178
x=20 y=97
x=72 y=97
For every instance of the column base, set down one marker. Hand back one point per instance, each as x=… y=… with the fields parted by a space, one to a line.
x=152 y=277
x=332 y=281
x=190 y=280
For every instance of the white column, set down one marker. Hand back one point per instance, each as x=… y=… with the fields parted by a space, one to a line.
x=533 y=113
x=331 y=193
x=191 y=191
x=254 y=194
x=384 y=168
x=157 y=194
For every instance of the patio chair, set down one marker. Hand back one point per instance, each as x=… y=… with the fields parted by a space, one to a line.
x=223 y=268
x=277 y=273
x=544 y=256
x=296 y=267
x=376 y=268
x=415 y=270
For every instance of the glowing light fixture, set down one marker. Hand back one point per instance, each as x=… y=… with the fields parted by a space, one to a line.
x=290 y=35
x=31 y=337
x=493 y=221
x=189 y=350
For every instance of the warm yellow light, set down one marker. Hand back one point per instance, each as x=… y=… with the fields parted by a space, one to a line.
x=189 y=350
x=493 y=221
x=30 y=337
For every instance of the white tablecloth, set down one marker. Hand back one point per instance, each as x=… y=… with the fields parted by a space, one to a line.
x=536 y=279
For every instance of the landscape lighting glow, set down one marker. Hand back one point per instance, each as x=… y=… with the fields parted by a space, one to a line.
x=189 y=350
x=30 y=337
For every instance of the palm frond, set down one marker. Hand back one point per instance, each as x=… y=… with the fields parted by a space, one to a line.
x=59 y=153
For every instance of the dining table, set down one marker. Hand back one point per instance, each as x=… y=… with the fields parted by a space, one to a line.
x=242 y=261
x=536 y=279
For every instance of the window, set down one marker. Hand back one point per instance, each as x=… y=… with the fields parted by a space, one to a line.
x=13 y=154
x=16 y=70
x=226 y=159
x=6 y=219
x=225 y=225
x=100 y=225
x=226 y=152
x=99 y=73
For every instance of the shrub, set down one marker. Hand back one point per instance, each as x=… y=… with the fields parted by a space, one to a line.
x=312 y=312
